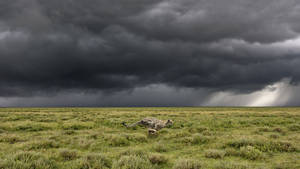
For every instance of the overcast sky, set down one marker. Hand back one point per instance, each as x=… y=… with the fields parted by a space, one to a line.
x=149 y=53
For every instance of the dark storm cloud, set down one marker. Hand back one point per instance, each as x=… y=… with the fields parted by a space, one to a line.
x=153 y=95
x=116 y=45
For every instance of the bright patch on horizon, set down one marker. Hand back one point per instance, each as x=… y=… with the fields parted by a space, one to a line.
x=270 y=95
x=277 y=94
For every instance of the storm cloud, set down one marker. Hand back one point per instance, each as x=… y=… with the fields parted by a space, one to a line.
x=116 y=47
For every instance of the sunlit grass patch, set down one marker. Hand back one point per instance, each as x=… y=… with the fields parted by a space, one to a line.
x=117 y=140
x=187 y=164
x=263 y=145
x=132 y=162
x=213 y=153
x=232 y=165
x=201 y=139
x=251 y=153
x=142 y=153
x=28 y=160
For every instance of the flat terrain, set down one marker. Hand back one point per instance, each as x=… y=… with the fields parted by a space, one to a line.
x=216 y=138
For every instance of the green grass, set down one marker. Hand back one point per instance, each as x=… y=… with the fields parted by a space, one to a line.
x=208 y=137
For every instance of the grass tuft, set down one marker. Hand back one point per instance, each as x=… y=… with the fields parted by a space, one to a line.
x=135 y=152
x=118 y=140
x=213 y=153
x=263 y=145
x=200 y=139
x=158 y=159
x=160 y=147
x=67 y=154
x=294 y=127
x=132 y=162
x=92 y=161
x=136 y=137
x=232 y=165
x=251 y=153
x=187 y=164
x=28 y=160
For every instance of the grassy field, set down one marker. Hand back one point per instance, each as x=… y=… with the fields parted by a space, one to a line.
x=212 y=138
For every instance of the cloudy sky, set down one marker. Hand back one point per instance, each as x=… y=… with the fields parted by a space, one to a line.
x=149 y=53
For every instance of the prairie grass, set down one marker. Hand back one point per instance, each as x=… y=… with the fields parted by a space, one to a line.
x=94 y=138
x=213 y=153
x=132 y=162
x=187 y=164
x=159 y=159
x=68 y=155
